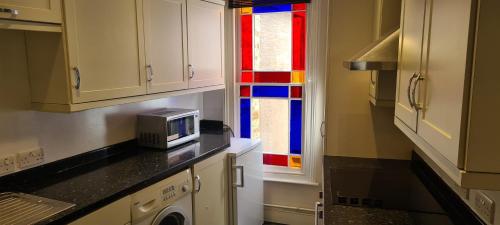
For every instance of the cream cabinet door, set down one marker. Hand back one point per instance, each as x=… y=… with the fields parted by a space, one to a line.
x=105 y=48
x=48 y=11
x=205 y=43
x=165 y=26
x=410 y=58
x=443 y=89
x=210 y=191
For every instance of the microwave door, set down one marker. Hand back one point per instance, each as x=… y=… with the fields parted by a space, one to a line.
x=180 y=127
x=172 y=130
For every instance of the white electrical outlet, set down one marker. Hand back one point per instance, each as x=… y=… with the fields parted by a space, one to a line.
x=485 y=206
x=7 y=164
x=30 y=158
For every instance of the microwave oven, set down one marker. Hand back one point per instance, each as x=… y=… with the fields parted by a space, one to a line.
x=167 y=128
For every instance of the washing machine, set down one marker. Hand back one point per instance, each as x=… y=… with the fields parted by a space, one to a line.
x=167 y=202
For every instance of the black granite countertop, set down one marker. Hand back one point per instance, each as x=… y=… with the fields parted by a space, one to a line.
x=95 y=179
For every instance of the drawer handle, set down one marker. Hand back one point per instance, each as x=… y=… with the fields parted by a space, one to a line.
x=148 y=206
x=13 y=12
x=77 y=78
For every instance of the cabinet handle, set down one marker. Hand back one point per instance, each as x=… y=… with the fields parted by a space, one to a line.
x=241 y=184
x=322 y=129
x=77 y=78
x=198 y=182
x=408 y=91
x=190 y=71
x=13 y=12
x=151 y=73
x=413 y=93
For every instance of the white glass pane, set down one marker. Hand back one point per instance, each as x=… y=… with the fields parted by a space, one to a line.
x=271 y=123
x=273 y=42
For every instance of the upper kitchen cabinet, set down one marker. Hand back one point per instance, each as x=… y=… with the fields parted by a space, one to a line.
x=46 y=11
x=446 y=83
x=442 y=85
x=165 y=26
x=205 y=43
x=410 y=59
x=105 y=49
x=121 y=51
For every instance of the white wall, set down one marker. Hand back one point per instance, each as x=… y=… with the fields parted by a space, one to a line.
x=213 y=105
x=354 y=127
x=62 y=135
x=291 y=204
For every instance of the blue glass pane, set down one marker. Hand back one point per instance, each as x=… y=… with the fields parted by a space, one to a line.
x=245 y=118
x=272 y=8
x=270 y=91
x=296 y=127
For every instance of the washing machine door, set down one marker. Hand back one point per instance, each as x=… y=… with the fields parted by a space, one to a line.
x=172 y=216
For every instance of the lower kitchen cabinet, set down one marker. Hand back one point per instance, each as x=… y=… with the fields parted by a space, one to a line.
x=116 y=213
x=210 y=193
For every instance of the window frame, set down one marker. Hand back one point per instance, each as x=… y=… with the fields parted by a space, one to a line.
x=313 y=101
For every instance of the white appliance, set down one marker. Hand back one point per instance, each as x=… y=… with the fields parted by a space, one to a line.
x=246 y=180
x=167 y=128
x=166 y=202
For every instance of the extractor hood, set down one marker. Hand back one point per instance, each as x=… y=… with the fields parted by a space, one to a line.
x=380 y=55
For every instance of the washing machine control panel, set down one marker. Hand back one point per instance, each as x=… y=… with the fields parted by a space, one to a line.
x=168 y=193
x=175 y=190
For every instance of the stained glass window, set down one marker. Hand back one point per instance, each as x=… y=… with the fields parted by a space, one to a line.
x=273 y=50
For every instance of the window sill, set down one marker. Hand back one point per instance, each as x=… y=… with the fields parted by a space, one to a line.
x=291 y=181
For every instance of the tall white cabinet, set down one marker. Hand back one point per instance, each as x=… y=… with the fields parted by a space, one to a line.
x=444 y=83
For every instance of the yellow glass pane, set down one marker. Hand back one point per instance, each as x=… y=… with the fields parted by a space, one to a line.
x=295 y=162
x=298 y=77
x=246 y=10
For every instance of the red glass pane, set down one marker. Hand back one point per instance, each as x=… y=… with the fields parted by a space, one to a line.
x=246 y=42
x=275 y=160
x=296 y=92
x=246 y=77
x=299 y=40
x=300 y=6
x=245 y=91
x=272 y=77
